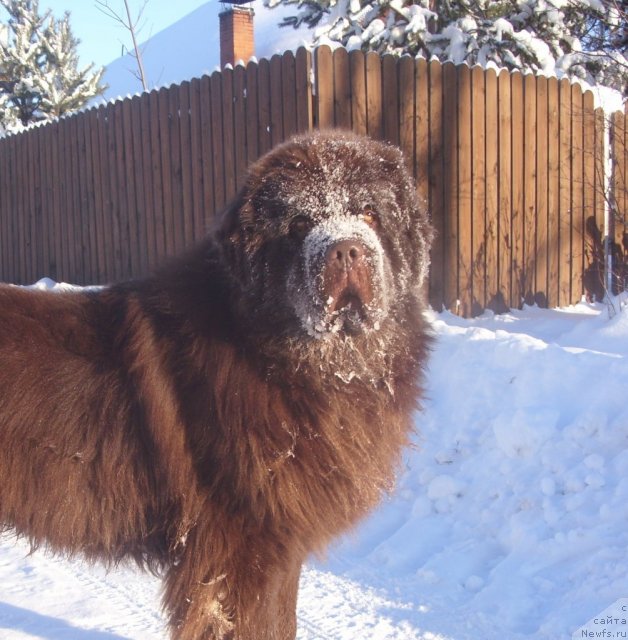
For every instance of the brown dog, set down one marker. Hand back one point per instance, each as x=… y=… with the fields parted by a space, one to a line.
x=230 y=415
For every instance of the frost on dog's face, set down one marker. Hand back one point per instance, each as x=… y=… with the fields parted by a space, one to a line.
x=334 y=238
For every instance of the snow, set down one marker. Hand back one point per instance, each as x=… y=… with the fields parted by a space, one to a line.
x=509 y=520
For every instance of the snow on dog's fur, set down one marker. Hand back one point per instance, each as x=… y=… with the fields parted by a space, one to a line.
x=228 y=416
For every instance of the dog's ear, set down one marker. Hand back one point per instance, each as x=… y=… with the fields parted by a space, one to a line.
x=229 y=222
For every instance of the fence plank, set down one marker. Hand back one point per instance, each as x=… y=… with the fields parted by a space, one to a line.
x=27 y=223
x=478 y=192
x=465 y=176
x=303 y=86
x=450 y=183
x=67 y=250
x=435 y=174
x=87 y=198
x=342 y=89
x=289 y=97
x=276 y=97
x=618 y=198
x=28 y=212
x=324 y=107
x=17 y=266
x=357 y=78
x=528 y=285
x=374 y=99
x=422 y=130
x=621 y=195
x=197 y=224
x=138 y=171
x=390 y=99
x=107 y=191
x=553 y=193
x=252 y=110
x=150 y=204
x=51 y=187
x=176 y=223
x=98 y=261
x=190 y=159
x=25 y=209
x=593 y=237
x=35 y=205
x=130 y=213
x=120 y=221
x=542 y=194
x=5 y=208
x=407 y=109
x=6 y=192
x=564 y=186
x=217 y=141
x=505 y=190
x=624 y=179
x=166 y=229
x=576 y=263
x=17 y=210
x=41 y=187
x=172 y=172
x=264 y=135
x=624 y=173
x=44 y=196
x=207 y=149
x=239 y=125
x=227 y=133
x=517 y=278
x=492 y=190
x=78 y=188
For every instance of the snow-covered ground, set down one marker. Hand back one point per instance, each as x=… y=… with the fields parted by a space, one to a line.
x=510 y=520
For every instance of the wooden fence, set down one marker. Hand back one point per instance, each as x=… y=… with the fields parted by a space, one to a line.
x=510 y=165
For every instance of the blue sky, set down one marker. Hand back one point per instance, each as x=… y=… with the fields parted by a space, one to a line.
x=102 y=38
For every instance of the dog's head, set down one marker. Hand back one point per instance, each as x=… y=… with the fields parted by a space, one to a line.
x=327 y=237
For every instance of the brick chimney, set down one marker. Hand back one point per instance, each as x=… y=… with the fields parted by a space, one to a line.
x=237 y=41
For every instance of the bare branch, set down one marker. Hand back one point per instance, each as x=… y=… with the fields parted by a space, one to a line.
x=131 y=26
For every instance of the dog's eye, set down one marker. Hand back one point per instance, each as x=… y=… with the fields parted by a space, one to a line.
x=299 y=227
x=369 y=215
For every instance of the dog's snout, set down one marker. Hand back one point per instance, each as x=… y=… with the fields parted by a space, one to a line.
x=344 y=254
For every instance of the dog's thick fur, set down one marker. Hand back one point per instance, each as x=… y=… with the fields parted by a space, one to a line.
x=226 y=417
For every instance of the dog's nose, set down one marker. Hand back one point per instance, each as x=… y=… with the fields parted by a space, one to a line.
x=344 y=254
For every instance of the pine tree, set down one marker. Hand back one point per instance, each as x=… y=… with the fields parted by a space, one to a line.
x=39 y=74
x=581 y=38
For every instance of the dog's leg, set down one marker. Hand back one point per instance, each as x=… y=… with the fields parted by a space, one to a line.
x=276 y=607
x=249 y=595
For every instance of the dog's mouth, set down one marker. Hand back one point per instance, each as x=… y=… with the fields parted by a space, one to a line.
x=344 y=277
x=348 y=310
x=350 y=303
x=349 y=298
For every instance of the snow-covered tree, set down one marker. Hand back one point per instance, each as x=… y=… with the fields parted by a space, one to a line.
x=581 y=38
x=40 y=78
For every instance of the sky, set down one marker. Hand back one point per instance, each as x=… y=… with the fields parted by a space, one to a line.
x=102 y=37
